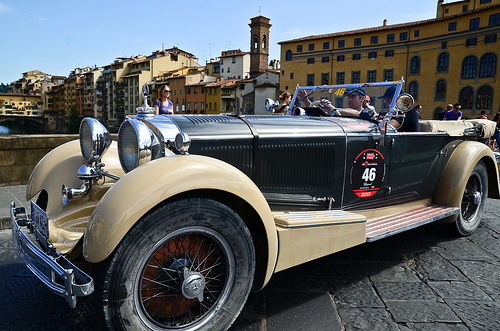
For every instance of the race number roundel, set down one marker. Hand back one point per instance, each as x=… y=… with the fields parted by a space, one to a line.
x=367 y=173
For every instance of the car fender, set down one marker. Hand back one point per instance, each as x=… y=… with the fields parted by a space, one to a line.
x=153 y=183
x=60 y=166
x=458 y=169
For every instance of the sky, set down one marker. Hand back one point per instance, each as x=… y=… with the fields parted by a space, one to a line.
x=56 y=36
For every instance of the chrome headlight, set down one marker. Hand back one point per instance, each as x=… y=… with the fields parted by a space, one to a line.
x=94 y=140
x=137 y=144
x=404 y=102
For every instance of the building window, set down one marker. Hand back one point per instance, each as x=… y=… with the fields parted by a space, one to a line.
x=444 y=45
x=341 y=43
x=372 y=76
x=443 y=62
x=471 y=42
x=413 y=90
x=484 y=99
x=233 y=60
x=490 y=39
x=464 y=8
x=299 y=48
x=474 y=23
x=390 y=38
x=340 y=78
x=416 y=33
x=340 y=58
x=310 y=79
x=484 y=1
x=466 y=97
x=374 y=40
x=326 y=45
x=311 y=47
x=415 y=65
x=388 y=75
x=356 y=56
x=355 y=77
x=310 y=60
x=372 y=55
x=325 y=59
x=325 y=78
x=357 y=42
x=403 y=36
x=494 y=19
x=487 y=65
x=288 y=55
x=440 y=90
x=389 y=53
x=291 y=75
x=228 y=69
x=452 y=26
x=469 y=67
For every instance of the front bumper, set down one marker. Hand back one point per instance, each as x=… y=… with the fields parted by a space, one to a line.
x=57 y=273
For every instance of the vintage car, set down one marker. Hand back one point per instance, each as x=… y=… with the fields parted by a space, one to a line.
x=174 y=224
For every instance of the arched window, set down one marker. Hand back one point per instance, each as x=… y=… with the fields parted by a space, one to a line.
x=440 y=90
x=288 y=55
x=415 y=65
x=488 y=65
x=255 y=42
x=484 y=99
x=413 y=90
x=438 y=113
x=264 y=42
x=443 y=62
x=466 y=97
x=469 y=67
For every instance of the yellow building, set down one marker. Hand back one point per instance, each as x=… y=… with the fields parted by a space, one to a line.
x=19 y=104
x=448 y=59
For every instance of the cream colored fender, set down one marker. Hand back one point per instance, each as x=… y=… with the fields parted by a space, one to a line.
x=458 y=169
x=60 y=166
x=139 y=191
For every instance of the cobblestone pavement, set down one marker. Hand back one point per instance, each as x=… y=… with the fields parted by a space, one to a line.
x=423 y=279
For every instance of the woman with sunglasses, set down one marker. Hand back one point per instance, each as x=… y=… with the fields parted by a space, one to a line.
x=163 y=105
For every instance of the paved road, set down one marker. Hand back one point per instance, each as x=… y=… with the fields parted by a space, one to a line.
x=423 y=279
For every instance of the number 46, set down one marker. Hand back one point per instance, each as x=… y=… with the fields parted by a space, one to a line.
x=369 y=174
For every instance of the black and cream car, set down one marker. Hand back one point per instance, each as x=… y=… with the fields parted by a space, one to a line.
x=174 y=224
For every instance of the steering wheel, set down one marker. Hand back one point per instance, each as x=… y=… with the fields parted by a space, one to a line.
x=326 y=107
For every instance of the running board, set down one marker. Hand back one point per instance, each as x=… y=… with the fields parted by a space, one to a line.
x=387 y=226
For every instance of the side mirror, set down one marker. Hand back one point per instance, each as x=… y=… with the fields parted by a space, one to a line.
x=271 y=105
x=404 y=103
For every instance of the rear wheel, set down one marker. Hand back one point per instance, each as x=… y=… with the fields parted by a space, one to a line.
x=188 y=265
x=473 y=201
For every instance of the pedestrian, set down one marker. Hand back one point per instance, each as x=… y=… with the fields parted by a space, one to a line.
x=163 y=105
x=455 y=114
x=482 y=115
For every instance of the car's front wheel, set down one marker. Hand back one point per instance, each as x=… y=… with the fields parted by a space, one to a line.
x=473 y=201
x=189 y=265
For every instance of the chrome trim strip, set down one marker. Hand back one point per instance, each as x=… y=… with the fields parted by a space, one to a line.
x=314 y=225
x=60 y=268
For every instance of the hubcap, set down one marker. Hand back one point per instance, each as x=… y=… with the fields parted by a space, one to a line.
x=193 y=285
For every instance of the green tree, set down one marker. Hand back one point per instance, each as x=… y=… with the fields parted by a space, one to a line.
x=72 y=123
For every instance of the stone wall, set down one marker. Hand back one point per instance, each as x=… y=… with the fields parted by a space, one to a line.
x=19 y=154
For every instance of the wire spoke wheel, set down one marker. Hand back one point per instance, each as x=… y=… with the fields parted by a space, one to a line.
x=473 y=202
x=188 y=265
x=185 y=278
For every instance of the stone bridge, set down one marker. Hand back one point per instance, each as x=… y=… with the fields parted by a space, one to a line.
x=38 y=121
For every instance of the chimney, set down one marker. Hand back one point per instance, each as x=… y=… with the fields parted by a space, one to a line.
x=439 y=11
x=385 y=23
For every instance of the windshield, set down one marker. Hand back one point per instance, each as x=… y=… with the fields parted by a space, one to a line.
x=379 y=97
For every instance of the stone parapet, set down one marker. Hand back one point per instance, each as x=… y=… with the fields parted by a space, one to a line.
x=20 y=153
